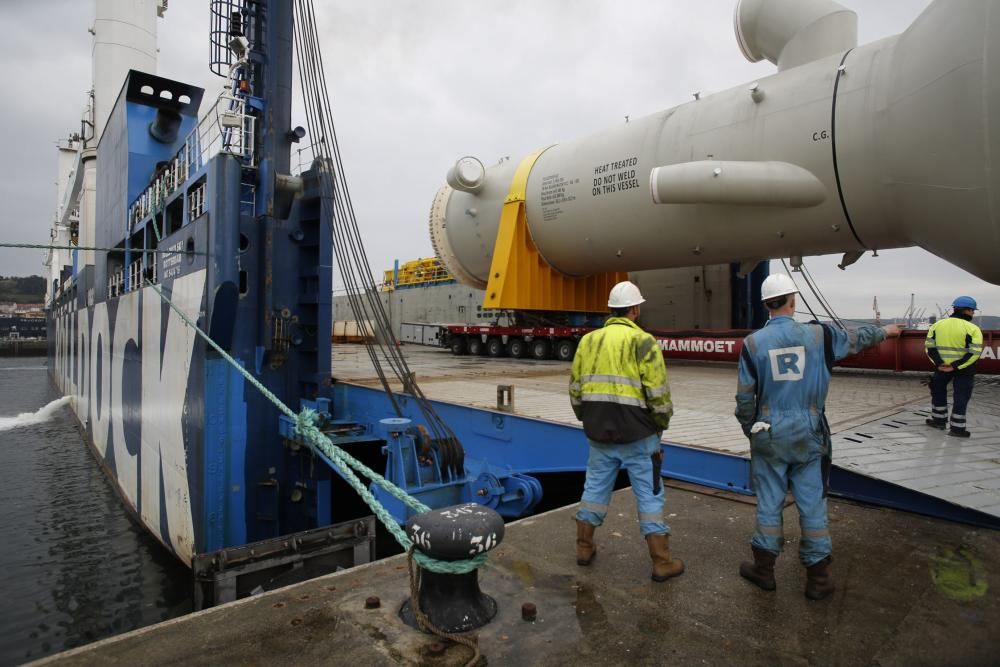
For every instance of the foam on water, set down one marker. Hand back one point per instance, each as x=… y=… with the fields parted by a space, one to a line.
x=73 y=567
x=30 y=418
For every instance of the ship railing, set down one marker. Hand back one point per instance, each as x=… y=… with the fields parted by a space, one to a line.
x=227 y=129
x=196 y=202
x=137 y=275
x=116 y=283
x=134 y=275
x=416 y=273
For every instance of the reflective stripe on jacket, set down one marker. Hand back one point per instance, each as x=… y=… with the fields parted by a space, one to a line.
x=954 y=341
x=618 y=384
x=784 y=376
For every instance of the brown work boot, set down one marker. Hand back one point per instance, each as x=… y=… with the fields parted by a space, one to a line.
x=819 y=583
x=664 y=565
x=761 y=570
x=585 y=549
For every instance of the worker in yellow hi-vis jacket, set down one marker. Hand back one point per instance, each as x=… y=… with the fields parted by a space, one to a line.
x=618 y=388
x=954 y=345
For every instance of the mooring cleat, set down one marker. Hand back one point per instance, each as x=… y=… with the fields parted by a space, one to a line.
x=453 y=602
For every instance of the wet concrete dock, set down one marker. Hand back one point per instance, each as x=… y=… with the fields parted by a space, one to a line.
x=910 y=591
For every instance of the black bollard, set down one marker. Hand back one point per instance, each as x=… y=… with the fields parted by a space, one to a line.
x=453 y=602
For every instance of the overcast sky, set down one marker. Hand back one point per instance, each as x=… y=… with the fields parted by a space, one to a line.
x=416 y=85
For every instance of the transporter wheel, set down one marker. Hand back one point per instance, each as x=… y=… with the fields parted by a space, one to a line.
x=459 y=345
x=516 y=347
x=565 y=349
x=494 y=347
x=476 y=345
x=540 y=349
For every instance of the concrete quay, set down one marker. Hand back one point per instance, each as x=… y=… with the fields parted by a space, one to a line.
x=910 y=591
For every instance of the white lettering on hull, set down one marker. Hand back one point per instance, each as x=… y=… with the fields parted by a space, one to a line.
x=164 y=383
x=126 y=329
x=100 y=397
x=81 y=388
x=164 y=386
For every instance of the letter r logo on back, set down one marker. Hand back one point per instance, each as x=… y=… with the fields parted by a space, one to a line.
x=787 y=363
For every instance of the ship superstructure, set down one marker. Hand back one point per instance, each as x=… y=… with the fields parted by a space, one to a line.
x=202 y=208
x=169 y=215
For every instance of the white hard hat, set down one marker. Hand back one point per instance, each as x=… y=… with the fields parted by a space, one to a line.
x=775 y=285
x=624 y=295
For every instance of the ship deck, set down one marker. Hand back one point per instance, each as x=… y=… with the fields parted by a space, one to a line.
x=910 y=591
x=877 y=418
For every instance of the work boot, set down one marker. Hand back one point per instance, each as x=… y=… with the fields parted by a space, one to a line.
x=664 y=565
x=936 y=423
x=761 y=570
x=585 y=549
x=959 y=432
x=819 y=584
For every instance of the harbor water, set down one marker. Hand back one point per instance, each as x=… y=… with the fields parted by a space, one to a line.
x=74 y=568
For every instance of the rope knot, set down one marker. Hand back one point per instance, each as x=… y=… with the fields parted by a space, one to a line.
x=305 y=422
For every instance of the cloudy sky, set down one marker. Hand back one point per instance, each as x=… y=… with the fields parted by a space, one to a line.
x=416 y=85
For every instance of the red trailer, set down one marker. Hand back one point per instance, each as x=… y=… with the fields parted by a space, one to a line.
x=905 y=353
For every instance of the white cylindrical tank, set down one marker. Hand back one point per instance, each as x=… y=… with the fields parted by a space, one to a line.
x=124 y=39
x=790 y=33
x=887 y=145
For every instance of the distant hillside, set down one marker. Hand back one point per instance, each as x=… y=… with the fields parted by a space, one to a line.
x=29 y=289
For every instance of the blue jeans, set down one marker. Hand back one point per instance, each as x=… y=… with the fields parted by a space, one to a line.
x=602 y=468
x=771 y=479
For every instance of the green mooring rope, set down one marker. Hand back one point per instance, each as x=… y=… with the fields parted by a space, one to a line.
x=305 y=426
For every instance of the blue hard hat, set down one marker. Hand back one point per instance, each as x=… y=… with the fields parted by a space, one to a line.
x=964 y=302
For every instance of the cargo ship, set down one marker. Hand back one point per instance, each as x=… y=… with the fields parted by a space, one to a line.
x=180 y=222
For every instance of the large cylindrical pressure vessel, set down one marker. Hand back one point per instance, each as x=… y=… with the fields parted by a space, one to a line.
x=892 y=144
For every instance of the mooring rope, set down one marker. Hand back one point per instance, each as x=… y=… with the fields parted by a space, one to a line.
x=305 y=427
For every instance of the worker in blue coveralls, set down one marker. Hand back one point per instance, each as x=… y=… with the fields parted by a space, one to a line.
x=784 y=376
x=618 y=388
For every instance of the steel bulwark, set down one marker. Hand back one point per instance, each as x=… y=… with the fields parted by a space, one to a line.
x=523 y=445
x=526 y=446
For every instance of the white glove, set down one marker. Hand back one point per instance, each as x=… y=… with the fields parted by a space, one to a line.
x=760 y=426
